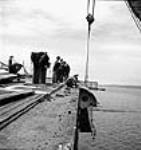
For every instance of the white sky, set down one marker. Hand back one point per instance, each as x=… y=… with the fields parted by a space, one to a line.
x=60 y=27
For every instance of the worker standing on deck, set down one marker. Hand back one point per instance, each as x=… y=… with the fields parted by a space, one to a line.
x=10 y=62
x=40 y=64
x=60 y=72
x=35 y=57
x=55 y=69
x=66 y=71
x=43 y=65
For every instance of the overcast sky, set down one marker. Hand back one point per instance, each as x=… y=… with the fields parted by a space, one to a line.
x=60 y=28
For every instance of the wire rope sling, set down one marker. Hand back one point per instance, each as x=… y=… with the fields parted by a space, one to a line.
x=90 y=20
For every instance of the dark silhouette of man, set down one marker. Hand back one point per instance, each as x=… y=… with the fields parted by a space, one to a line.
x=43 y=64
x=10 y=62
x=35 y=57
x=55 y=70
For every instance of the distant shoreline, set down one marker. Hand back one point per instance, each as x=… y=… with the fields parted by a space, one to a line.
x=121 y=86
x=115 y=85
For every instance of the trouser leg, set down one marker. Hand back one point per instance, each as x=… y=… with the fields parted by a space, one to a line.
x=43 y=75
x=35 y=79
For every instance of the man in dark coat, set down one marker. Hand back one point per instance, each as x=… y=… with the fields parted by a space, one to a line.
x=60 y=73
x=43 y=64
x=35 y=57
x=55 y=69
x=66 y=70
x=10 y=62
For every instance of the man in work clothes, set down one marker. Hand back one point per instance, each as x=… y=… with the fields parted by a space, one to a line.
x=66 y=70
x=10 y=62
x=43 y=65
x=60 y=72
x=55 y=70
x=35 y=57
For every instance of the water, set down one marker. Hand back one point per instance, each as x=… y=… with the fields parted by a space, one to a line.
x=118 y=122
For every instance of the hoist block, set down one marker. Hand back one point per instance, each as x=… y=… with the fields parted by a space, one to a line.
x=90 y=18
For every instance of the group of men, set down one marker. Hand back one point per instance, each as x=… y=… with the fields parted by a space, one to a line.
x=41 y=62
x=61 y=70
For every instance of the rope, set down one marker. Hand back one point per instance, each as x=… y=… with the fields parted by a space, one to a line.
x=136 y=20
x=88 y=6
x=87 y=61
x=93 y=7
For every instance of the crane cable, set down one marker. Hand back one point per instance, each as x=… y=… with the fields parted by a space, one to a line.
x=136 y=20
x=90 y=20
x=88 y=7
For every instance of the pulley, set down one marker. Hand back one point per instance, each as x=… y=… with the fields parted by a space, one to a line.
x=90 y=18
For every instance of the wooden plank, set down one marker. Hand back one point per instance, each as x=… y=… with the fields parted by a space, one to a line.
x=6 y=120
x=7 y=77
x=3 y=71
x=8 y=117
x=3 y=64
x=2 y=92
x=4 y=99
x=10 y=109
